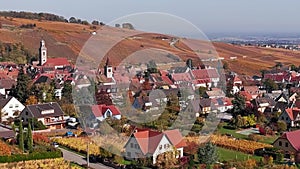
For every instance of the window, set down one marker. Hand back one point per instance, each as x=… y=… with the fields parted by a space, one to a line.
x=286 y=119
x=286 y=144
x=136 y=146
x=10 y=106
x=16 y=106
x=26 y=113
x=131 y=145
x=280 y=143
x=160 y=147
x=128 y=154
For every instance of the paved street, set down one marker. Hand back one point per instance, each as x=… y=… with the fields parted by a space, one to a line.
x=70 y=156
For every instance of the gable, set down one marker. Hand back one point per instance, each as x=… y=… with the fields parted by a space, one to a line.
x=163 y=146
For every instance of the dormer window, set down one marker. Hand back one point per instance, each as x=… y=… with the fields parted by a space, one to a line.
x=50 y=111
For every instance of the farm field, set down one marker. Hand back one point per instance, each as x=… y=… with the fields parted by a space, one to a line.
x=68 y=39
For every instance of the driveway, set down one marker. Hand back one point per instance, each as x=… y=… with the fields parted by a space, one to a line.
x=70 y=156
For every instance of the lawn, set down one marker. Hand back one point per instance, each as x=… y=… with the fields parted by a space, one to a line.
x=222 y=130
x=265 y=139
x=227 y=155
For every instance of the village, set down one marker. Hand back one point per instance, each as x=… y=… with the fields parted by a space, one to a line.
x=257 y=116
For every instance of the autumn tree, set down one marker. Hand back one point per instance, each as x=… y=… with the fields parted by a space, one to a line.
x=31 y=100
x=167 y=160
x=69 y=109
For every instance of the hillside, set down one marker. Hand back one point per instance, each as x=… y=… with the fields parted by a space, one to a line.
x=67 y=39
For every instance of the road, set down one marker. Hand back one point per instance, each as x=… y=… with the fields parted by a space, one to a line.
x=70 y=156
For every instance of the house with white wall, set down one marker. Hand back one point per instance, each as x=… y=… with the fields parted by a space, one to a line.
x=148 y=143
x=10 y=108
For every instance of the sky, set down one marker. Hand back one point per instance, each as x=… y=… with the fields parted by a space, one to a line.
x=210 y=16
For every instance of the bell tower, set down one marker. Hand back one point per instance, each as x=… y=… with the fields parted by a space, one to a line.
x=108 y=70
x=42 y=53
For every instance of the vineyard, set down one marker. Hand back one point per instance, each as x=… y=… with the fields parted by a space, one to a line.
x=111 y=143
x=7 y=150
x=4 y=149
x=57 y=163
x=245 y=146
x=79 y=144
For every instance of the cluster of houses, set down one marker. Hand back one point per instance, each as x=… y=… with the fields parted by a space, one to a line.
x=285 y=102
x=146 y=142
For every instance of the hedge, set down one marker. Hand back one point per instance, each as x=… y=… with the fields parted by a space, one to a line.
x=31 y=156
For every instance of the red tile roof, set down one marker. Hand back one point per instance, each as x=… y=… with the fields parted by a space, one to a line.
x=175 y=138
x=292 y=112
x=61 y=61
x=205 y=73
x=167 y=80
x=246 y=95
x=182 y=77
x=99 y=110
x=148 y=140
x=293 y=137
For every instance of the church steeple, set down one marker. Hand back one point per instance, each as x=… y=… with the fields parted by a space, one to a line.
x=42 y=53
x=108 y=70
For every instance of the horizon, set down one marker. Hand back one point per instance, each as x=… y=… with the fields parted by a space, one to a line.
x=212 y=17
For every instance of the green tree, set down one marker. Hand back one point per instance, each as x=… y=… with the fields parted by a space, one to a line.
x=21 y=137
x=67 y=93
x=202 y=91
x=21 y=90
x=238 y=105
x=29 y=138
x=270 y=85
x=281 y=125
x=208 y=154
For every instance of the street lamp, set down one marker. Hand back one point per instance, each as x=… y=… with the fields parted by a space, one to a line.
x=87 y=153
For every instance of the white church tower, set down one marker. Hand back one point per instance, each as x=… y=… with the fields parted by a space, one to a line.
x=43 y=53
x=108 y=69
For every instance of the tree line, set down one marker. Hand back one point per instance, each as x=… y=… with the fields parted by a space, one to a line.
x=47 y=16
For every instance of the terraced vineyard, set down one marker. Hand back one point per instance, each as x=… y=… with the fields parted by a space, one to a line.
x=245 y=146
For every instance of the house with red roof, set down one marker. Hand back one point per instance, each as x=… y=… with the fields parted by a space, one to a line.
x=289 y=143
x=210 y=75
x=252 y=90
x=101 y=112
x=149 y=143
x=291 y=116
x=182 y=78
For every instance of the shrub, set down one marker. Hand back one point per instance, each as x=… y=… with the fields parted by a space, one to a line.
x=32 y=156
x=255 y=137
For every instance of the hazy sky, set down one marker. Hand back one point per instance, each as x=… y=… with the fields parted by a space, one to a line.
x=211 y=16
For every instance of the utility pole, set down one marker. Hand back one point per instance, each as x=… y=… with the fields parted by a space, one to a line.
x=87 y=156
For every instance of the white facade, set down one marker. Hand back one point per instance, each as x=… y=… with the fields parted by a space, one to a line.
x=163 y=146
x=12 y=106
x=134 y=151
x=43 y=53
